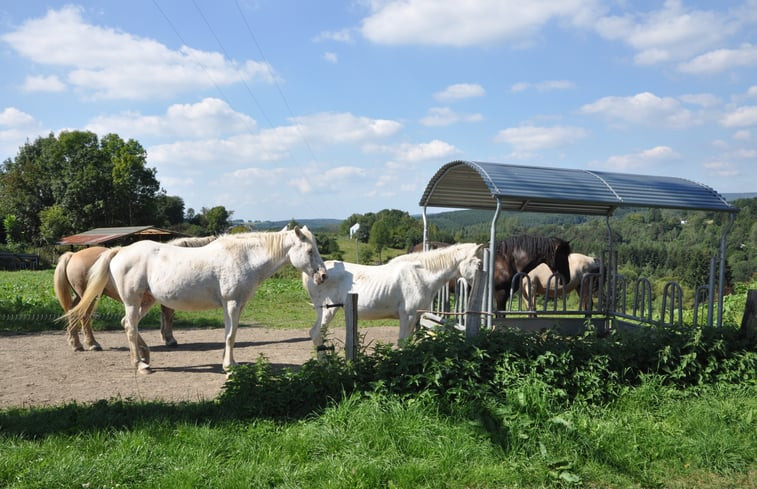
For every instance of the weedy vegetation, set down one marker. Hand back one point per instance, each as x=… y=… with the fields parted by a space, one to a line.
x=653 y=407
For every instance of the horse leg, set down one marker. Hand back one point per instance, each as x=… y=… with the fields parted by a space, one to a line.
x=86 y=329
x=72 y=335
x=231 y=313
x=138 y=350
x=166 y=326
x=323 y=318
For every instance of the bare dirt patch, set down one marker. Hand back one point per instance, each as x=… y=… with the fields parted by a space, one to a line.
x=40 y=369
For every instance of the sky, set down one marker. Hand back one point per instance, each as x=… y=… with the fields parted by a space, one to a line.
x=281 y=109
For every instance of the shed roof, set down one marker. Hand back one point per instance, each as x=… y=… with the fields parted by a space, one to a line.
x=99 y=236
x=478 y=185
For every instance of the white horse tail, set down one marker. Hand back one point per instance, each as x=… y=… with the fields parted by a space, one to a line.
x=97 y=279
x=60 y=281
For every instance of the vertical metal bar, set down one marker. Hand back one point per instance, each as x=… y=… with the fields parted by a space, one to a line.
x=721 y=280
x=350 y=318
x=473 y=314
x=425 y=229
x=492 y=255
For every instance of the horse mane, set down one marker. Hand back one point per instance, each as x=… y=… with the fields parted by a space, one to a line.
x=271 y=241
x=532 y=245
x=437 y=259
x=192 y=242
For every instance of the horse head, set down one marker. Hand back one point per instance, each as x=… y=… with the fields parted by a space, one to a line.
x=305 y=257
x=560 y=255
x=470 y=263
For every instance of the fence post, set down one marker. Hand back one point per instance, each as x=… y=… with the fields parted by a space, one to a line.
x=749 y=320
x=350 y=317
x=473 y=314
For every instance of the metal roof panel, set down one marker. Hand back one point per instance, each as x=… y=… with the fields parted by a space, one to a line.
x=478 y=185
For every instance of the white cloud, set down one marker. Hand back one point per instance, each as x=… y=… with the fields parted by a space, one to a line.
x=105 y=63
x=43 y=84
x=533 y=138
x=742 y=135
x=721 y=169
x=721 y=60
x=741 y=117
x=668 y=34
x=460 y=91
x=274 y=144
x=436 y=149
x=12 y=117
x=344 y=35
x=543 y=86
x=332 y=58
x=209 y=118
x=643 y=108
x=455 y=23
x=642 y=160
x=752 y=92
x=701 y=99
x=444 y=116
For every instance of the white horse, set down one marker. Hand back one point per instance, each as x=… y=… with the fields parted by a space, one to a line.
x=397 y=289
x=541 y=280
x=225 y=273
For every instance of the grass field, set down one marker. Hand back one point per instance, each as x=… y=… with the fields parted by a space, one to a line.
x=672 y=409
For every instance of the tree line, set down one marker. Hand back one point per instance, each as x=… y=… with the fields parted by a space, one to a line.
x=61 y=185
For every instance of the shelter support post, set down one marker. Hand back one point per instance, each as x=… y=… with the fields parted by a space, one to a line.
x=489 y=294
x=721 y=278
x=425 y=229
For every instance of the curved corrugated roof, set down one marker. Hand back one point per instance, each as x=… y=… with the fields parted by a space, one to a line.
x=478 y=185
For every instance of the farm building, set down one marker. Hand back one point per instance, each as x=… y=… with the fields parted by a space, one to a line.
x=118 y=236
x=499 y=187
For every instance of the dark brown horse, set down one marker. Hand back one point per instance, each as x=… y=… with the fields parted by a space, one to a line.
x=523 y=254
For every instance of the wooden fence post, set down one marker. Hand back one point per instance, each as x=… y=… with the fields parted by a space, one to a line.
x=350 y=318
x=749 y=321
x=473 y=315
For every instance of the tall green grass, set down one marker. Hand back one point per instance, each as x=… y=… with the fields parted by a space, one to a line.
x=661 y=407
x=504 y=410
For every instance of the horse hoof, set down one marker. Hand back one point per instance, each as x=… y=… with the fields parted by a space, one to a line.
x=145 y=370
x=78 y=348
x=95 y=347
x=172 y=343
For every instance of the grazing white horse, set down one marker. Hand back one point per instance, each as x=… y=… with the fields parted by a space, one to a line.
x=397 y=289
x=225 y=273
x=544 y=282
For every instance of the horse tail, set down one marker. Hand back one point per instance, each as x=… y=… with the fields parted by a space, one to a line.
x=60 y=282
x=97 y=279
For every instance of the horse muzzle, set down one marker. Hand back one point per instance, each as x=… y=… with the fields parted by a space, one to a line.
x=320 y=276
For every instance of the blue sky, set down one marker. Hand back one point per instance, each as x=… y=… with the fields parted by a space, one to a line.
x=280 y=109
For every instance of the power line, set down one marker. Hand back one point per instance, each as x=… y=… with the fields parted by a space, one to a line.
x=204 y=68
x=278 y=87
x=241 y=75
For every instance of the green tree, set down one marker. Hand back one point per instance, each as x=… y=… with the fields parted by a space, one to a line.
x=217 y=219
x=171 y=208
x=54 y=223
x=380 y=236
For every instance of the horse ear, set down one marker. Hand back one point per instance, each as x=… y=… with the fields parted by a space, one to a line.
x=299 y=232
x=285 y=228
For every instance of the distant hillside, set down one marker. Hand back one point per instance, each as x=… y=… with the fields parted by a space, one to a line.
x=323 y=225
x=732 y=197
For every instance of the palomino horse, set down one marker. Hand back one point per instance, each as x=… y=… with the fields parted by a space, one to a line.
x=522 y=254
x=541 y=280
x=225 y=273
x=71 y=278
x=397 y=289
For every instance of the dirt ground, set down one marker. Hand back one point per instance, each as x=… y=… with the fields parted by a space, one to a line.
x=40 y=369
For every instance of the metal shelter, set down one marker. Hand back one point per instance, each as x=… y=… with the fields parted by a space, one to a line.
x=499 y=186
